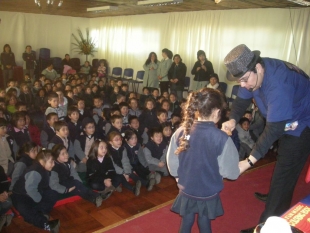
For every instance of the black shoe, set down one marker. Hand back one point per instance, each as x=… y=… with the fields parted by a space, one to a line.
x=249 y=230
x=261 y=197
x=54 y=225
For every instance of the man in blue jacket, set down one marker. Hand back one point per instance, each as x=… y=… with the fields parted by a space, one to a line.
x=282 y=93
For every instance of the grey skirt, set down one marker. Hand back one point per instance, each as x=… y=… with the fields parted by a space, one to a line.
x=211 y=208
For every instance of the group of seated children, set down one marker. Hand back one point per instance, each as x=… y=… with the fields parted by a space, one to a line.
x=117 y=145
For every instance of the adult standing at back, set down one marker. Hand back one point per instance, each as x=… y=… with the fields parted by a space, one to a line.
x=282 y=93
x=150 y=67
x=8 y=62
x=202 y=70
x=30 y=60
x=176 y=75
x=162 y=71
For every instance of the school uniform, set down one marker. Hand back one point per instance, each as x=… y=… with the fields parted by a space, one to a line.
x=100 y=169
x=217 y=159
x=147 y=119
x=133 y=112
x=64 y=177
x=46 y=135
x=21 y=136
x=66 y=142
x=75 y=129
x=154 y=154
x=61 y=114
x=4 y=184
x=122 y=166
x=135 y=155
x=32 y=196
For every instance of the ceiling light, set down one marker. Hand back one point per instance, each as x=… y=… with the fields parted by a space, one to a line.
x=217 y=1
x=48 y=3
x=159 y=2
x=102 y=8
x=300 y=2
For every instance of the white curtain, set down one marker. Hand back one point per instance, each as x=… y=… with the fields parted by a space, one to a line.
x=126 y=41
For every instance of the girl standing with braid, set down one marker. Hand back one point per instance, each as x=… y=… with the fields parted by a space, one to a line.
x=199 y=157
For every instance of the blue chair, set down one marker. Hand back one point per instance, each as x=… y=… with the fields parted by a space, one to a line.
x=234 y=94
x=223 y=87
x=57 y=64
x=117 y=72
x=137 y=80
x=45 y=53
x=128 y=73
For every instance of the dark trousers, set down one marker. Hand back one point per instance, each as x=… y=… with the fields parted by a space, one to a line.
x=33 y=212
x=292 y=155
x=176 y=90
x=98 y=184
x=7 y=74
x=164 y=86
x=142 y=173
x=80 y=190
x=5 y=206
x=120 y=179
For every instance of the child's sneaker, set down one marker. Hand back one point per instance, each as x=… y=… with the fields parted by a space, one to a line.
x=53 y=226
x=137 y=188
x=151 y=184
x=157 y=178
x=98 y=201
x=119 y=189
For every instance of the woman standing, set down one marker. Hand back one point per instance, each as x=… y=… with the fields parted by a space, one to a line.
x=162 y=71
x=176 y=75
x=202 y=70
x=150 y=66
x=30 y=61
x=8 y=62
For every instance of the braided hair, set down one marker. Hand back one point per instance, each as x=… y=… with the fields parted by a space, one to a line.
x=202 y=102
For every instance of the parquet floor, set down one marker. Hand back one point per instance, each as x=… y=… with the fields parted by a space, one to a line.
x=83 y=217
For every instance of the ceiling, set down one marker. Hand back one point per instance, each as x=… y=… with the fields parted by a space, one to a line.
x=77 y=8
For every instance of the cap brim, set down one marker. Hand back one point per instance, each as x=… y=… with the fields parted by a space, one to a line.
x=230 y=77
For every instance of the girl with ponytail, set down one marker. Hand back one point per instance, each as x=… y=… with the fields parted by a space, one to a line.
x=199 y=157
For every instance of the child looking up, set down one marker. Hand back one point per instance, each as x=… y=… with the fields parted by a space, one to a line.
x=155 y=153
x=101 y=174
x=32 y=196
x=121 y=163
x=27 y=154
x=134 y=109
x=161 y=117
x=74 y=125
x=217 y=159
x=64 y=178
x=53 y=101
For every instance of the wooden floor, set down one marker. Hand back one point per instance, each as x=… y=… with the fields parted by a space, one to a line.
x=83 y=216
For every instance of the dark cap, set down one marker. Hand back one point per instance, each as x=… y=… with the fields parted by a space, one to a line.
x=239 y=61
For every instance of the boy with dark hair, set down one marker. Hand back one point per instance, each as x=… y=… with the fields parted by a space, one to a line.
x=74 y=125
x=134 y=109
x=82 y=111
x=134 y=126
x=123 y=107
x=48 y=131
x=144 y=96
x=161 y=117
x=62 y=137
x=117 y=124
x=53 y=101
x=155 y=94
x=119 y=99
x=175 y=121
x=83 y=142
x=124 y=90
x=98 y=108
x=155 y=153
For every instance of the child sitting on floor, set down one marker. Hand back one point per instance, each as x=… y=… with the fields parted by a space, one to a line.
x=32 y=196
x=64 y=178
x=101 y=174
x=121 y=163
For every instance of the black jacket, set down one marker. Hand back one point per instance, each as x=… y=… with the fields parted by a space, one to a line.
x=202 y=75
x=30 y=59
x=178 y=72
x=8 y=59
x=98 y=172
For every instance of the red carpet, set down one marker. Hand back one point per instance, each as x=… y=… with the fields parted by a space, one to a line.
x=242 y=209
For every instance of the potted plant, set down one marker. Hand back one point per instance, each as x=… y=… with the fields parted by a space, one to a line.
x=84 y=45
